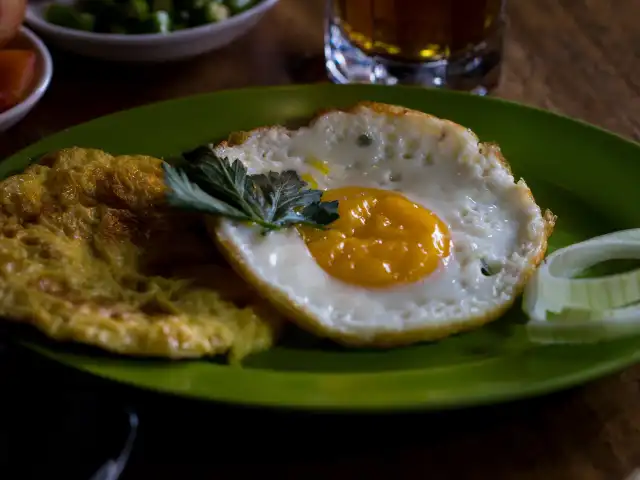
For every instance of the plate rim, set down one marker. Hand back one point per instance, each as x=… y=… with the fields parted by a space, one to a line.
x=407 y=405
x=410 y=89
x=335 y=404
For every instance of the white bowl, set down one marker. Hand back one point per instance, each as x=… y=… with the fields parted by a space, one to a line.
x=155 y=47
x=42 y=78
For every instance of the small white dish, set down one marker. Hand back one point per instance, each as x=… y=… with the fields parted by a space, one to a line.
x=26 y=39
x=154 y=47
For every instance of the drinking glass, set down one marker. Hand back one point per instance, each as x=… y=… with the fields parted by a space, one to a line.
x=453 y=44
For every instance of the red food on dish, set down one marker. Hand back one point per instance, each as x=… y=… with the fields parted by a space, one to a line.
x=17 y=69
x=11 y=17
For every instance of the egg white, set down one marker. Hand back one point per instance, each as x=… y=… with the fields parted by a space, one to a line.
x=433 y=162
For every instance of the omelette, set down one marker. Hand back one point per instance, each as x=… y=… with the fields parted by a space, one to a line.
x=89 y=252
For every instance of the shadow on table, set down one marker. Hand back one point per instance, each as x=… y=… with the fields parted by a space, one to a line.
x=63 y=422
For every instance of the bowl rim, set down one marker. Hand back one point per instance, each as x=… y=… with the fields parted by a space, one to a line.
x=36 y=21
x=43 y=81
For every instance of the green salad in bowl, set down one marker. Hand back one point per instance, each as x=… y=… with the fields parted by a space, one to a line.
x=143 y=16
x=144 y=30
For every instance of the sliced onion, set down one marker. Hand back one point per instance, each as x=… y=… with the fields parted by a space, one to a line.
x=563 y=309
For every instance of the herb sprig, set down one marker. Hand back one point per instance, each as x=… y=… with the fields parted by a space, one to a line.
x=214 y=185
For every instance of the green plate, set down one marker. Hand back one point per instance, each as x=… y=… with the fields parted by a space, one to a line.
x=587 y=176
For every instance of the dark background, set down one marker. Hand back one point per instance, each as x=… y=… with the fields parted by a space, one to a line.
x=61 y=422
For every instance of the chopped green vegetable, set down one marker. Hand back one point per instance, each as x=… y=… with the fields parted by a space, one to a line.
x=210 y=12
x=143 y=16
x=189 y=4
x=216 y=12
x=181 y=19
x=157 y=22
x=137 y=9
x=68 y=17
x=97 y=7
x=166 y=5
x=273 y=201
x=239 y=6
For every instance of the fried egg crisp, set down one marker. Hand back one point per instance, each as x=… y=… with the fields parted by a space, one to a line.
x=269 y=149
x=89 y=254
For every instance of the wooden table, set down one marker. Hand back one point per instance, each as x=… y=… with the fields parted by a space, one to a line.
x=578 y=57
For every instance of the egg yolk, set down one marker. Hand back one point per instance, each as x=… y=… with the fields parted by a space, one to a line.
x=321 y=165
x=381 y=239
x=311 y=182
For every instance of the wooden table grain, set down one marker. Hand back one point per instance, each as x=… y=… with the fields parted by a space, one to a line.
x=577 y=57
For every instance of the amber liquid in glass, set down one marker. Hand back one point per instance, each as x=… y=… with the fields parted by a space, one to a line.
x=417 y=31
x=421 y=30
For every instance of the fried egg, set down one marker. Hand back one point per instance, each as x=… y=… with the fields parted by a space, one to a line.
x=435 y=235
